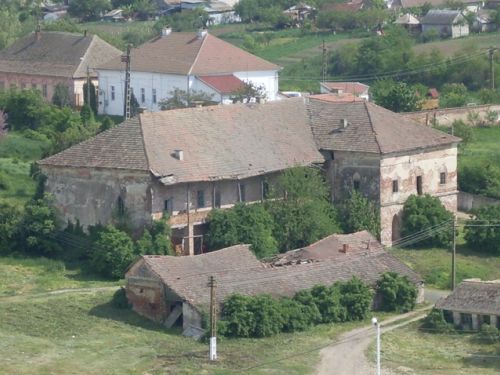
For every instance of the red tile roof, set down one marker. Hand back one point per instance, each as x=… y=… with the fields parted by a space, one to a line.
x=337 y=98
x=355 y=88
x=223 y=84
x=187 y=53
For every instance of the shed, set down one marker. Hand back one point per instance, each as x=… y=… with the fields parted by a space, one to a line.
x=447 y=23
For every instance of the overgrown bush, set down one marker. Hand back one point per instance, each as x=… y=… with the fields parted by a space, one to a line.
x=435 y=322
x=489 y=334
x=297 y=316
x=356 y=297
x=268 y=319
x=237 y=316
x=479 y=177
x=328 y=301
x=397 y=292
x=359 y=213
x=422 y=214
x=119 y=300
x=483 y=237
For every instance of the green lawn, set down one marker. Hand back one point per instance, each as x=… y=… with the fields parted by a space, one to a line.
x=81 y=333
x=485 y=146
x=414 y=352
x=37 y=275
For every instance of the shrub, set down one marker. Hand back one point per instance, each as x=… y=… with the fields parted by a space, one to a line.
x=328 y=301
x=462 y=130
x=297 y=316
x=356 y=297
x=61 y=97
x=112 y=253
x=238 y=316
x=436 y=323
x=489 y=334
x=479 y=177
x=485 y=238
x=420 y=213
x=359 y=213
x=267 y=316
x=397 y=292
x=119 y=300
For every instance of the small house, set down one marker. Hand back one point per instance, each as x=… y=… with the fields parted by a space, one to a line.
x=170 y=290
x=485 y=21
x=357 y=89
x=447 y=23
x=409 y=22
x=473 y=303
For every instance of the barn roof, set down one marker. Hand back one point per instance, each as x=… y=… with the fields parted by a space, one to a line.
x=473 y=296
x=237 y=271
x=441 y=17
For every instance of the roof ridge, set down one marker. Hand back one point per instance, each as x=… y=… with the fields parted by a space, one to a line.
x=85 y=55
x=365 y=103
x=143 y=143
x=203 y=41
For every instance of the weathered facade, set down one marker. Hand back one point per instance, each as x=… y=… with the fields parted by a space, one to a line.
x=446 y=23
x=42 y=60
x=170 y=289
x=385 y=157
x=472 y=304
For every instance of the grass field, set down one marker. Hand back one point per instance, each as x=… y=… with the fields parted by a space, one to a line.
x=410 y=351
x=485 y=146
x=449 y=47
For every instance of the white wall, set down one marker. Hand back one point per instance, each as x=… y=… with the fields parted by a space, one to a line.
x=164 y=84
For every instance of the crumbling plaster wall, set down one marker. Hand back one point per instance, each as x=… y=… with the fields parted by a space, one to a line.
x=405 y=169
x=91 y=195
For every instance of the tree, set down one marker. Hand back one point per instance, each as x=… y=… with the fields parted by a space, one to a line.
x=88 y=9
x=301 y=209
x=238 y=316
x=356 y=297
x=112 y=253
x=93 y=100
x=248 y=93
x=359 y=213
x=86 y=115
x=107 y=123
x=484 y=238
x=182 y=99
x=61 y=97
x=425 y=214
x=435 y=322
x=23 y=108
x=453 y=95
x=327 y=299
x=242 y=224
x=266 y=315
x=398 y=293
x=11 y=26
x=9 y=226
x=396 y=96
x=463 y=131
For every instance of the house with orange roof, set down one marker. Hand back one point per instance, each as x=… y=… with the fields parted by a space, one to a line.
x=187 y=61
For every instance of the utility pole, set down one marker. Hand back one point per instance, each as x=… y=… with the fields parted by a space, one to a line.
x=453 y=254
x=324 y=62
x=376 y=324
x=88 y=86
x=491 y=51
x=213 y=321
x=127 y=91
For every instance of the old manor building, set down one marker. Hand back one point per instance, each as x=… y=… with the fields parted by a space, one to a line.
x=186 y=162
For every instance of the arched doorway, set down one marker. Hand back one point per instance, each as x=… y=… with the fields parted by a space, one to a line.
x=396 y=228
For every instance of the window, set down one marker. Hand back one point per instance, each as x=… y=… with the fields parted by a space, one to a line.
x=265 y=189
x=200 y=198
x=44 y=90
x=153 y=94
x=33 y=86
x=356 y=181
x=332 y=155
x=217 y=199
x=112 y=93
x=143 y=96
x=168 y=205
x=395 y=186
x=241 y=193
x=442 y=178
x=419 y=185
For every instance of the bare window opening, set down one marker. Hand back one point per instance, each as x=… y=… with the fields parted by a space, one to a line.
x=153 y=94
x=168 y=205
x=442 y=178
x=120 y=204
x=356 y=181
x=419 y=185
x=241 y=192
x=395 y=186
x=200 y=198
x=217 y=199
x=143 y=95
x=112 y=93
x=265 y=189
x=332 y=155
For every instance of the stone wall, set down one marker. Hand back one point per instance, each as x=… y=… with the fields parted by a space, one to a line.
x=446 y=116
x=468 y=201
x=91 y=195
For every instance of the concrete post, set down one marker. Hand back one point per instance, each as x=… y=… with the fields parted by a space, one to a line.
x=456 y=318
x=475 y=322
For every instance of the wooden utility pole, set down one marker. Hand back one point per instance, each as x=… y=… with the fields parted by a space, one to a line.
x=324 y=62
x=453 y=254
x=491 y=51
x=213 y=320
x=88 y=86
x=127 y=91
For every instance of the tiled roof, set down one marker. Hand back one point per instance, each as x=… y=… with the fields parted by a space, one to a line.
x=407 y=19
x=237 y=271
x=56 y=54
x=223 y=84
x=474 y=297
x=356 y=88
x=441 y=17
x=370 y=128
x=337 y=98
x=186 y=53
x=218 y=142
x=121 y=147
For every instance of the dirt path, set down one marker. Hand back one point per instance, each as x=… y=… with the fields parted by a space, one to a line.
x=24 y=297
x=347 y=357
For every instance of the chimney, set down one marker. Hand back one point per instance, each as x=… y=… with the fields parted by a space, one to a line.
x=202 y=33
x=179 y=154
x=38 y=32
x=344 y=123
x=167 y=30
x=345 y=248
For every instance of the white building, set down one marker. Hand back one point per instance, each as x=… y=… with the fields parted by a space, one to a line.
x=183 y=61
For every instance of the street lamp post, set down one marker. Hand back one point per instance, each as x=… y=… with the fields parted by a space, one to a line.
x=376 y=324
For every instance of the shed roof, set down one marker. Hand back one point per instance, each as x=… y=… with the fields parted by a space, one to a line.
x=223 y=84
x=57 y=54
x=407 y=19
x=475 y=297
x=237 y=271
x=370 y=128
x=188 y=53
x=441 y=17
x=356 y=88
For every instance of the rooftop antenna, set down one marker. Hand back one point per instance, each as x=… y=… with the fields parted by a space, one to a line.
x=127 y=91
